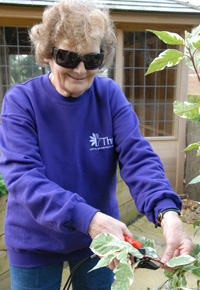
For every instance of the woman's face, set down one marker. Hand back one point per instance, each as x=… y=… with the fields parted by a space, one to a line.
x=72 y=82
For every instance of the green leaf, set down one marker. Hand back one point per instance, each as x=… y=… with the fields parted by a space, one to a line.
x=186 y=110
x=181 y=260
x=196 y=251
x=3 y=189
x=192 y=146
x=194 y=98
x=183 y=281
x=169 y=58
x=196 y=230
x=196 y=272
x=198 y=283
x=156 y=288
x=168 y=274
x=196 y=223
x=168 y=37
x=195 y=180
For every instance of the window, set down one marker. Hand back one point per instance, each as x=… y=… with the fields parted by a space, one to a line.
x=152 y=96
x=17 y=64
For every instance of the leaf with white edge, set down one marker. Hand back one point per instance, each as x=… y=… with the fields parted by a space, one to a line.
x=195 y=180
x=145 y=242
x=198 y=152
x=196 y=42
x=168 y=37
x=123 y=256
x=189 y=39
x=134 y=266
x=123 y=277
x=186 y=110
x=197 y=58
x=104 y=261
x=102 y=244
x=151 y=253
x=129 y=248
x=196 y=31
x=106 y=244
x=104 y=238
x=192 y=146
x=167 y=58
x=134 y=252
x=180 y=261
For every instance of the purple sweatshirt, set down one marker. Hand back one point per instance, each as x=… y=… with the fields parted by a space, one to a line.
x=58 y=159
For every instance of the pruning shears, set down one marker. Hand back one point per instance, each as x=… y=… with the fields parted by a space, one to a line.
x=147 y=252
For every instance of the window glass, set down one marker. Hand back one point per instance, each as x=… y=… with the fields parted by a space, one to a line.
x=17 y=64
x=152 y=96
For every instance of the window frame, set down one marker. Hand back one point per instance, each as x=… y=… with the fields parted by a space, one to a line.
x=119 y=72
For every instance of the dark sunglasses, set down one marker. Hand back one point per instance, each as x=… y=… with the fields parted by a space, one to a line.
x=69 y=59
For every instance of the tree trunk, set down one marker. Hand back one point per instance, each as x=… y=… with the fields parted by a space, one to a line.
x=192 y=162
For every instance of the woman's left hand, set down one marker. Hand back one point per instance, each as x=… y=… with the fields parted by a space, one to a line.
x=177 y=240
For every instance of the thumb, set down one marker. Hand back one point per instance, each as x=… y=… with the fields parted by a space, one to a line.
x=127 y=232
x=168 y=254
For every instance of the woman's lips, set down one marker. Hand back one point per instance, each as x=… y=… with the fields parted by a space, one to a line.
x=76 y=78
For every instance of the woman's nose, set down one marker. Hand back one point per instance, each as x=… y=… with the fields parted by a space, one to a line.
x=80 y=68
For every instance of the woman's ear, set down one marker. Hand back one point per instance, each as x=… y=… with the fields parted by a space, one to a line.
x=46 y=61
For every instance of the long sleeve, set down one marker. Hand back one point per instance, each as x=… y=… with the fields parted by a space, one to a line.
x=140 y=166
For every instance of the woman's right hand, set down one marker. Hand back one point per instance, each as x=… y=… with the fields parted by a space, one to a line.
x=102 y=223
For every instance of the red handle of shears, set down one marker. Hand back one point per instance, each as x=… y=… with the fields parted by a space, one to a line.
x=136 y=244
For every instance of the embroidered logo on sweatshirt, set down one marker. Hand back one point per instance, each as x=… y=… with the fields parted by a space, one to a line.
x=99 y=143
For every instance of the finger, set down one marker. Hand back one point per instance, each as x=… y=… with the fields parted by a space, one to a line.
x=177 y=253
x=113 y=264
x=165 y=267
x=168 y=254
x=126 y=231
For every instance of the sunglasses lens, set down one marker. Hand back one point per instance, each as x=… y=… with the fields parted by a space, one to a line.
x=93 y=61
x=67 y=59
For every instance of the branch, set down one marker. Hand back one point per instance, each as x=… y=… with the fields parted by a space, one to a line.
x=193 y=63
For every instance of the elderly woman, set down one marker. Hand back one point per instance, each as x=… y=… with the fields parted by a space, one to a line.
x=62 y=135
